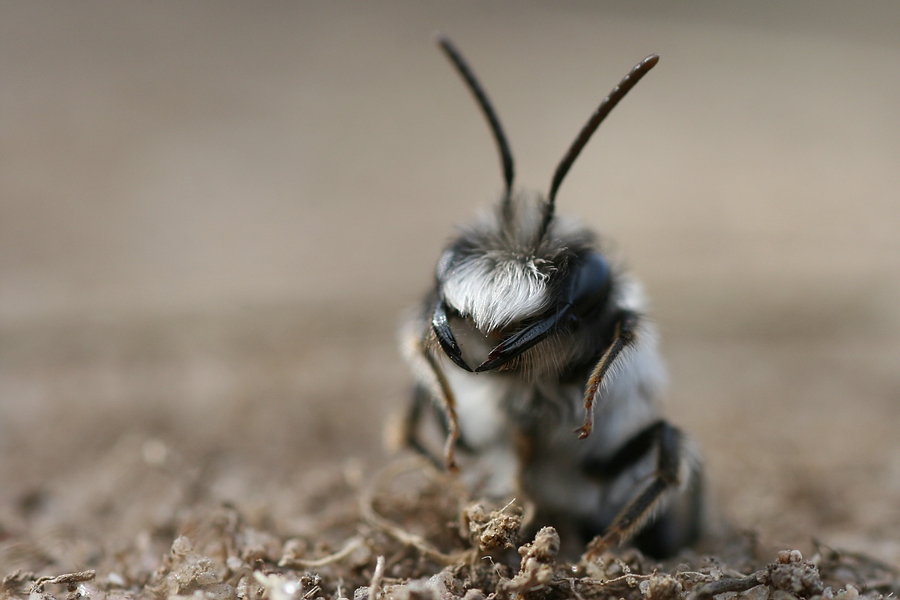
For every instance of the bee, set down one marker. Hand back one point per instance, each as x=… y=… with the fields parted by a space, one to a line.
x=536 y=363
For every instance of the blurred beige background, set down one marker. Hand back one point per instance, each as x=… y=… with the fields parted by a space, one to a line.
x=213 y=214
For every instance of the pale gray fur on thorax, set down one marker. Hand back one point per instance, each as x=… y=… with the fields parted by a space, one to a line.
x=486 y=429
x=554 y=478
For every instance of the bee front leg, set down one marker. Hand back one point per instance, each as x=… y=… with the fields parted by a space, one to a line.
x=430 y=377
x=448 y=405
x=624 y=336
x=674 y=470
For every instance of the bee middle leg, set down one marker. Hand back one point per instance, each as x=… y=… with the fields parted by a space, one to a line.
x=422 y=401
x=675 y=471
x=624 y=336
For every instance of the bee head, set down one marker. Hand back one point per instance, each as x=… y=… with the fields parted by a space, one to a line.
x=519 y=275
x=504 y=285
x=503 y=270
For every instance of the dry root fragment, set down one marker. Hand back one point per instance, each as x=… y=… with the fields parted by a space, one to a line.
x=12 y=583
x=367 y=509
x=377 y=576
x=70 y=579
x=289 y=559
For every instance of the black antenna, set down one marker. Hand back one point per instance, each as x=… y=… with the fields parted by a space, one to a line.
x=463 y=67
x=617 y=93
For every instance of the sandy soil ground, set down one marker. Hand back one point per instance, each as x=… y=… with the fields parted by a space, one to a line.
x=212 y=216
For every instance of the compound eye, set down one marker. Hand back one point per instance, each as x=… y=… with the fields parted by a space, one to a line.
x=589 y=286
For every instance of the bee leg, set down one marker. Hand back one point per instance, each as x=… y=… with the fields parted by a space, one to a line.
x=430 y=377
x=421 y=401
x=624 y=336
x=447 y=403
x=672 y=470
x=679 y=524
